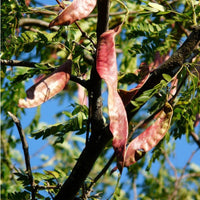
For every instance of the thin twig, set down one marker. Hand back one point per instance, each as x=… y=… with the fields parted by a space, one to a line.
x=195 y=138
x=189 y=175
x=178 y=180
x=39 y=150
x=170 y=164
x=48 y=163
x=26 y=152
x=36 y=22
x=41 y=11
x=61 y=4
x=18 y=63
x=135 y=189
x=103 y=171
x=188 y=162
x=84 y=34
x=43 y=187
x=116 y=13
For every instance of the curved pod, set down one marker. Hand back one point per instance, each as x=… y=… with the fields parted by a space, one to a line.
x=77 y=10
x=47 y=87
x=107 y=70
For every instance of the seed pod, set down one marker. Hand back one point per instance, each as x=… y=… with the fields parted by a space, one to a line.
x=107 y=70
x=77 y=10
x=47 y=87
x=150 y=137
x=126 y=96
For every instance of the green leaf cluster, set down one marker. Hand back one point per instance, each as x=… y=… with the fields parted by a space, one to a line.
x=77 y=122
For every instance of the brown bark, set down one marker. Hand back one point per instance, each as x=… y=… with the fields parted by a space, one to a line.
x=99 y=134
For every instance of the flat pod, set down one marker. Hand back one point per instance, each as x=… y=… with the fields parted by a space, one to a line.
x=107 y=70
x=77 y=10
x=127 y=96
x=47 y=87
x=150 y=137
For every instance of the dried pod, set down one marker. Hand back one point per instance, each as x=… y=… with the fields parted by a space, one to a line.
x=47 y=87
x=150 y=137
x=77 y=10
x=107 y=70
x=126 y=96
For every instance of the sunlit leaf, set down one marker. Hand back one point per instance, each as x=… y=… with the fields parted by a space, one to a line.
x=167 y=77
x=19 y=195
x=157 y=6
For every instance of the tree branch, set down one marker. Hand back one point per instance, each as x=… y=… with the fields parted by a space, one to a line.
x=195 y=138
x=36 y=22
x=101 y=173
x=170 y=67
x=26 y=152
x=99 y=134
x=178 y=180
x=19 y=63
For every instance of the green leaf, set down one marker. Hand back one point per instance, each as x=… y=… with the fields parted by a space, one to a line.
x=80 y=119
x=167 y=77
x=51 y=174
x=157 y=7
x=39 y=176
x=142 y=98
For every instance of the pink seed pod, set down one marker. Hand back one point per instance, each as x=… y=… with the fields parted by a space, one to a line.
x=47 y=87
x=107 y=69
x=127 y=96
x=77 y=10
x=150 y=137
x=173 y=88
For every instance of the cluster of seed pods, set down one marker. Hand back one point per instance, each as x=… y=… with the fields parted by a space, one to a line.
x=106 y=65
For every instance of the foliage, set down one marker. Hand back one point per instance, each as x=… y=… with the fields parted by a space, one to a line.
x=151 y=33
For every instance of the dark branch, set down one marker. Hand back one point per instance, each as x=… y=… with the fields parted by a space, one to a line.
x=26 y=152
x=170 y=67
x=103 y=16
x=19 y=63
x=83 y=166
x=99 y=134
